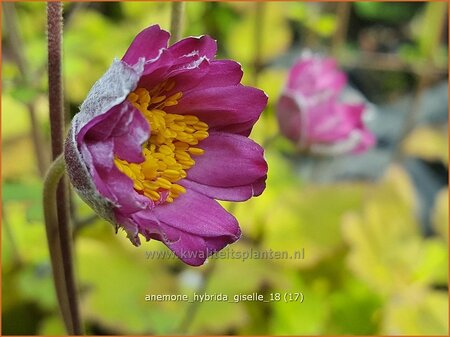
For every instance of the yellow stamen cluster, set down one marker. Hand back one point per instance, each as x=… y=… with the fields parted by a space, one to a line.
x=169 y=149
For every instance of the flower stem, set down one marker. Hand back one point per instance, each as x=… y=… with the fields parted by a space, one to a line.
x=176 y=23
x=52 y=178
x=192 y=310
x=54 y=17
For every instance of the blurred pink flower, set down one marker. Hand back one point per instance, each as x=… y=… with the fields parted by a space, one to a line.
x=311 y=114
x=160 y=136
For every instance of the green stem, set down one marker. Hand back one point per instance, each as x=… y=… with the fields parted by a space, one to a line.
x=176 y=24
x=191 y=311
x=51 y=181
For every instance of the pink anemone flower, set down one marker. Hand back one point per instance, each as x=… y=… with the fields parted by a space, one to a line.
x=311 y=114
x=162 y=135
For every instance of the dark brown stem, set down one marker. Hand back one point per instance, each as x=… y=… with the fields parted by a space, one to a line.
x=16 y=46
x=56 y=101
x=54 y=13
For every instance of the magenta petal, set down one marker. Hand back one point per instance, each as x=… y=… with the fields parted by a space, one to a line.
x=290 y=118
x=143 y=222
x=235 y=193
x=199 y=215
x=186 y=79
x=203 y=46
x=221 y=107
x=147 y=44
x=223 y=73
x=326 y=122
x=129 y=201
x=333 y=121
x=100 y=162
x=125 y=125
x=110 y=182
x=196 y=226
x=169 y=66
x=229 y=160
x=135 y=130
x=211 y=74
x=238 y=193
x=194 y=249
x=367 y=141
x=311 y=114
x=313 y=75
x=259 y=186
x=354 y=114
x=82 y=182
x=156 y=71
x=120 y=131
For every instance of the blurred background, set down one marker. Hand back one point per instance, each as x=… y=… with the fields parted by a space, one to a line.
x=373 y=227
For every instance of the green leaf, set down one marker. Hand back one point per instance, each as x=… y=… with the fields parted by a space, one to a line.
x=383 y=237
x=217 y=317
x=24 y=94
x=324 y=24
x=89 y=45
x=28 y=192
x=28 y=235
x=296 y=318
x=417 y=311
x=297 y=11
x=116 y=277
x=15 y=120
x=310 y=218
x=386 y=247
x=430 y=28
x=354 y=309
x=271 y=80
x=429 y=143
x=385 y=12
x=440 y=214
x=35 y=283
x=16 y=165
x=52 y=326
x=430 y=263
x=139 y=14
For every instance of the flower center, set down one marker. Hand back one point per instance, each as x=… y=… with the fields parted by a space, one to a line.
x=169 y=149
